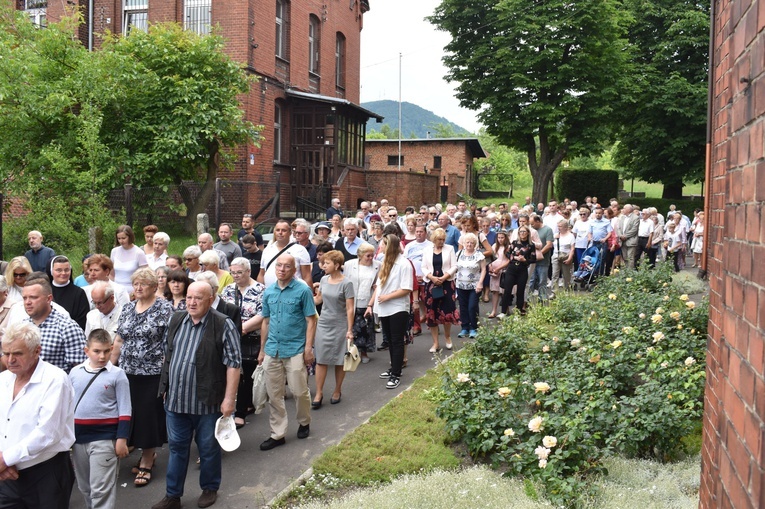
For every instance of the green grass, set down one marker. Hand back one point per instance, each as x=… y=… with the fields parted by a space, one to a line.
x=404 y=436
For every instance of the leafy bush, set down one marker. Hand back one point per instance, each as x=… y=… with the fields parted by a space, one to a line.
x=577 y=184
x=64 y=223
x=662 y=205
x=550 y=395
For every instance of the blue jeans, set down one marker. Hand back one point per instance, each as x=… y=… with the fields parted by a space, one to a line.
x=180 y=428
x=540 y=281
x=468 y=300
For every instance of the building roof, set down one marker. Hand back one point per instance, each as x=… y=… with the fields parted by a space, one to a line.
x=473 y=144
x=332 y=100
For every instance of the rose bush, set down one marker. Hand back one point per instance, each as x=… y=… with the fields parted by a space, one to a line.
x=580 y=379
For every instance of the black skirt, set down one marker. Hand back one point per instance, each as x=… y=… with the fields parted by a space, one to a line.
x=148 y=426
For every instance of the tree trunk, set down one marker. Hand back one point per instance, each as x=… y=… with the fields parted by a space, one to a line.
x=672 y=191
x=197 y=205
x=543 y=165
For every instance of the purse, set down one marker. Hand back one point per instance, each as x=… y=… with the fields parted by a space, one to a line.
x=437 y=292
x=352 y=358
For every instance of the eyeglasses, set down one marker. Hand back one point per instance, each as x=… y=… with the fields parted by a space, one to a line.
x=138 y=284
x=299 y=233
x=236 y=272
x=17 y=275
x=99 y=303
x=392 y=215
x=433 y=213
x=189 y=259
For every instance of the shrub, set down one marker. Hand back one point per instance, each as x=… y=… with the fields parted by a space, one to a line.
x=549 y=396
x=578 y=184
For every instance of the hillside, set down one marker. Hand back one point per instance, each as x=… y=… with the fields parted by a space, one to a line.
x=415 y=120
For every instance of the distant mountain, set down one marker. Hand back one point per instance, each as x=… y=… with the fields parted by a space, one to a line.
x=414 y=119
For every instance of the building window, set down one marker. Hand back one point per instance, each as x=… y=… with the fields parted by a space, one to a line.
x=197 y=16
x=37 y=11
x=277 y=132
x=314 y=43
x=340 y=61
x=436 y=162
x=393 y=160
x=281 y=29
x=136 y=15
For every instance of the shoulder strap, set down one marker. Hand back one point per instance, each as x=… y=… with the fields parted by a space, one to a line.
x=279 y=254
x=88 y=386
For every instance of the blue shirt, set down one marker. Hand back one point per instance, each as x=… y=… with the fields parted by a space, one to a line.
x=287 y=309
x=353 y=247
x=453 y=237
x=600 y=228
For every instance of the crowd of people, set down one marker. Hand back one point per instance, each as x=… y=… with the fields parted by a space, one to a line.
x=175 y=340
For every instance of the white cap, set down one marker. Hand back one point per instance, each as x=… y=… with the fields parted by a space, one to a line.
x=225 y=433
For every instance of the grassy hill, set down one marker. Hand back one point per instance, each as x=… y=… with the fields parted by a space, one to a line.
x=415 y=121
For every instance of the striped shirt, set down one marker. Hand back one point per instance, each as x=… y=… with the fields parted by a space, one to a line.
x=182 y=382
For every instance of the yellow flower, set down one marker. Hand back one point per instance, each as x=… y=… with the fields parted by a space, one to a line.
x=576 y=342
x=680 y=326
x=666 y=297
x=669 y=396
x=545 y=348
x=690 y=361
x=629 y=280
x=659 y=310
x=612 y=296
x=509 y=432
x=674 y=315
x=615 y=271
x=616 y=344
x=542 y=463
x=463 y=377
x=684 y=297
x=658 y=336
x=664 y=285
x=690 y=304
x=504 y=392
x=542 y=387
x=535 y=424
x=656 y=318
x=626 y=330
x=641 y=315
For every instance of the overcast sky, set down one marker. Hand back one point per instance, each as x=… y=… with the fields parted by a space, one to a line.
x=398 y=26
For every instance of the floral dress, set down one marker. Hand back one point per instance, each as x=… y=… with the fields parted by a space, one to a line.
x=440 y=310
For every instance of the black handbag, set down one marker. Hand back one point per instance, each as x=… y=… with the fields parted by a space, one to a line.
x=437 y=292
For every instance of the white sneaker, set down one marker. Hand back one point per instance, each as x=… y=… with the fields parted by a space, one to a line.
x=560 y=283
x=501 y=316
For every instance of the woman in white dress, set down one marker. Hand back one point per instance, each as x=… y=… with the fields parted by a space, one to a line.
x=126 y=257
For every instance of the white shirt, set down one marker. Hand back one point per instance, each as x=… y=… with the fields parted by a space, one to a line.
x=580 y=230
x=400 y=277
x=39 y=423
x=413 y=252
x=155 y=262
x=566 y=243
x=645 y=227
x=301 y=258
x=97 y=320
x=121 y=296
x=552 y=221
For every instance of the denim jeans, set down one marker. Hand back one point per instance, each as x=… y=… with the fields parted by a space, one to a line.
x=180 y=429
x=540 y=281
x=468 y=309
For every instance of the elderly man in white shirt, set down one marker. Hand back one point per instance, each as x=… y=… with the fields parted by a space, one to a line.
x=36 y=425
x=106 y=313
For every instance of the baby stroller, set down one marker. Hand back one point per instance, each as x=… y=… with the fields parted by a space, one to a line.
x=589 y=267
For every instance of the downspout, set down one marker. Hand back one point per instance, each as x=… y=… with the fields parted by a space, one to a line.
x=90 y=25
x=703 y=273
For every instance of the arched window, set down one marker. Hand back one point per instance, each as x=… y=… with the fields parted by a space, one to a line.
x=314 y=43
x=340 y=60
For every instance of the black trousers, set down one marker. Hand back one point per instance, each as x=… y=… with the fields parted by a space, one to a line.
x=515 y=275
x=642 y=249
x=47 y=485
x=395 y=327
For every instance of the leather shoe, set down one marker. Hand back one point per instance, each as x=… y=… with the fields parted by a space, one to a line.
x=168 y=503
x=271 y=443
x=334 y=401
x=303 y=431
x=317 y=404
x=207 y=498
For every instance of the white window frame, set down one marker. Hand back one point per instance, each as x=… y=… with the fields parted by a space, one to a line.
x=281 y=29
x=132 y=8
x=278 y=113
x=197 y=16
x=37 y=10
x=314 y=42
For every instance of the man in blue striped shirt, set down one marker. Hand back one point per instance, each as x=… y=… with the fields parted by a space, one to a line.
x=201 y=377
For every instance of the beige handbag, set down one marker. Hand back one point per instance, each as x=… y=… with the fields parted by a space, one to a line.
x=352 y=358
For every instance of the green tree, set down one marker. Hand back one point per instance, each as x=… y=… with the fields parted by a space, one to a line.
x=663 y=123
x=545 y=75
x=502 y=163
x=152 y=109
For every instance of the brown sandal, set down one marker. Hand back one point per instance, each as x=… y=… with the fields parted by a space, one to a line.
x=143 y=478
x=137 y=467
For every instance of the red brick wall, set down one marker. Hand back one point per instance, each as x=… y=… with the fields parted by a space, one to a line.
x=733 y=454
x=402 y=188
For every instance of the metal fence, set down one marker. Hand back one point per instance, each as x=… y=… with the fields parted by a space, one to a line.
x=165 y=206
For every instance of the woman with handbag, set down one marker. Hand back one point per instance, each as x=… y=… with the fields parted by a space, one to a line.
x=521 y=254
x=247 y=295
x=363 y=274
x=439 y=264
x=335 y=327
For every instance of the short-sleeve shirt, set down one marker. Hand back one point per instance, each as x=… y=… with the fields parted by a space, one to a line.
x=468 y=269
x=143 y=337
x=296 y=250
x=287 y=309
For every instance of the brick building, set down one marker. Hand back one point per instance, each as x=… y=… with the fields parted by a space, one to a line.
x=733 y=454
x=426 y=166
x=306 y=56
